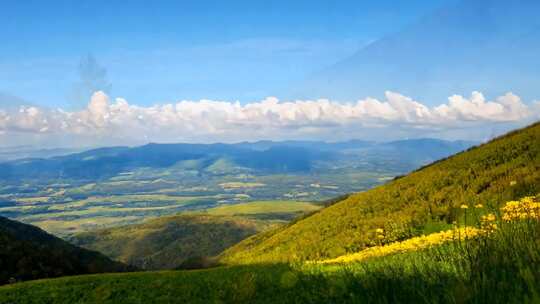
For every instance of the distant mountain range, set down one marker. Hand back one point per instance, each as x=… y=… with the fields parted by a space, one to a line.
x=264 y=156
x=20 y=152
x=490 y=46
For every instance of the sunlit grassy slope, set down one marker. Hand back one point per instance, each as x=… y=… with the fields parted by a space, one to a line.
x=170 y=242
x=265 y=209
x=488 y=266
x=425 y=200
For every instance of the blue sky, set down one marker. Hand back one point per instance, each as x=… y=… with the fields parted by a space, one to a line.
x=228 y=71
x=173 y=50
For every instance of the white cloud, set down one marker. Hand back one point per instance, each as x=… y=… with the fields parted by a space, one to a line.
x=506 y=108
x=209 y=120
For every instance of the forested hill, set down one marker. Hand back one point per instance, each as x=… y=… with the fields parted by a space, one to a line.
x=27 y=252
x=426 y=200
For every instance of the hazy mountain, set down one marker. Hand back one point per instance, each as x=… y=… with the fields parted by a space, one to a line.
x=19 y=152
x=257 y=157
x=487 y=45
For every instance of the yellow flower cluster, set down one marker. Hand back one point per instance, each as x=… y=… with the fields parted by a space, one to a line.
x=412 y=244
x=526 y=208
x=487 y=222
x=380 y=233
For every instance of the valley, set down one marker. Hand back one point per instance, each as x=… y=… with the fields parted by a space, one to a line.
x=116 y=186
x=190 y=239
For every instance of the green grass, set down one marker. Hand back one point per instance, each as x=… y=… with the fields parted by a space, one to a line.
x=264 y=207
x=502 y=268
x=407 y=206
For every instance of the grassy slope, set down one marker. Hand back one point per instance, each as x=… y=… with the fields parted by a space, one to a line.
x=421 y=201
x=285 y=210
x=27 y=252
x=167 y=242
x=499 y=269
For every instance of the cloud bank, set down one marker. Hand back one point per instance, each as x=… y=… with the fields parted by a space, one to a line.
x=116 y=121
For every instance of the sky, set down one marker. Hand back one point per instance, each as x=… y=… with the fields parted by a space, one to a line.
x=173 y=50
x=130 y=72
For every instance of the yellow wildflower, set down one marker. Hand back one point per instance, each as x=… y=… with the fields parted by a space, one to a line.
x=487 y=222
x=478 y=206
x=526 y=208
x=488 y=218
x=412 y=244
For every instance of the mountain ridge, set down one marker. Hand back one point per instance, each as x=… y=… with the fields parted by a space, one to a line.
x=267 y=156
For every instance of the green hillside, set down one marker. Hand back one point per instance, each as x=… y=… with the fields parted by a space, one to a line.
x=191 y=238
x=27 y=252
x=426 y=200
x=484 y=264
x=278 y=210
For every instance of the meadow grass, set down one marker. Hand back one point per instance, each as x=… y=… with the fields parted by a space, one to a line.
x=499 y=267
x=264 y=207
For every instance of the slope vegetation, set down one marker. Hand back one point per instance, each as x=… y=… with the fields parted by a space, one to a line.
x=424 y=201
x=27 y=252
x=189 y=240
x=495 y=264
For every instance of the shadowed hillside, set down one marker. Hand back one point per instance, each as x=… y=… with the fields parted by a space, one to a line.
x=186 y=239
x=27 y=252
x=165 y=243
